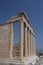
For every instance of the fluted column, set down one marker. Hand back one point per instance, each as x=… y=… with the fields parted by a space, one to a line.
x=34 y=51
x=25 y=41
x=28 y=42
x=21 y=38
x=11 y=46
x=32 y=43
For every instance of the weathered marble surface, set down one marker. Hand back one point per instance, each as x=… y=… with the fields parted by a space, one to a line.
x=5 y=33
x=40 y=62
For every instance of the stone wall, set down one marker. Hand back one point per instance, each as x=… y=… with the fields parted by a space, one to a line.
x=5 y=40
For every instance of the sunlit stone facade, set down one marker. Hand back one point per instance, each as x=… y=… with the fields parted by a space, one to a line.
x=27 y=41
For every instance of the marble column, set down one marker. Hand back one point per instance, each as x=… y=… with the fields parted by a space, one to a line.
x=11 y=46
x=21 y=37
x=34 y=45
x=26 y=41
x=30 y=43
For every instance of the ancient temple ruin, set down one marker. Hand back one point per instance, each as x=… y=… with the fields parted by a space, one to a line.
x=26 y=47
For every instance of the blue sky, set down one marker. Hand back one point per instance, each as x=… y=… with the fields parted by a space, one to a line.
x=34 y=11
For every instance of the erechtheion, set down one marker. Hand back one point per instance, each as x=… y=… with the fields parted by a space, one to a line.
x=27 y=40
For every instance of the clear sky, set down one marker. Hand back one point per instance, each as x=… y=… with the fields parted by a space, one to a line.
x=34 y=11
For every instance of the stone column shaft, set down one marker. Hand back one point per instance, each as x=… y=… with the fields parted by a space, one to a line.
x=34 y=45
x=25 y=41
x=28 y=42
x=11 y=46
x=21 y=38
x=31 y=43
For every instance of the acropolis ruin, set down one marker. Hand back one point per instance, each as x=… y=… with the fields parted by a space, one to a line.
x=26 y=48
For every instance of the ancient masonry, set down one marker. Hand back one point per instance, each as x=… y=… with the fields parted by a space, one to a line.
x=26 y=47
